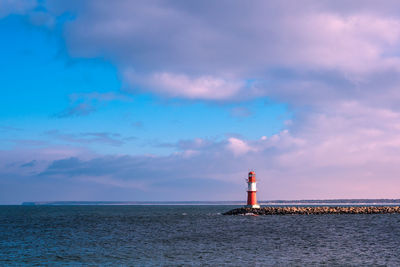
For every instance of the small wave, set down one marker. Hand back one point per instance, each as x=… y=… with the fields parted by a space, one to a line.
x=213 y=214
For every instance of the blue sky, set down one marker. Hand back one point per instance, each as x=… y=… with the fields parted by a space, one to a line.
x=96 y=95
x=41 y=83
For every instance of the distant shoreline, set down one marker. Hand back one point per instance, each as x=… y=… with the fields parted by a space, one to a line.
x=327 y=202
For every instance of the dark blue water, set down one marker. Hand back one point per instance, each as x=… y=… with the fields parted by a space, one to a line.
x=192 y=235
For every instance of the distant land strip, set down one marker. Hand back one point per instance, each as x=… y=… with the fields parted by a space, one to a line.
x=72 y=203
x=264 y=202
x=299 y=210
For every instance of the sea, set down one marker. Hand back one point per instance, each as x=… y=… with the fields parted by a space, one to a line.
x=191 y=235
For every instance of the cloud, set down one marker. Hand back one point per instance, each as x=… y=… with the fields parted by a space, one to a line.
x=9 y=7
x=181 y=85
x=210 y=51
x=29 y=164
x=80 y=109
x=238 y=146
x=154 y=175
x=84 y=104
x=350 y=151
x=336 y=65
x=107 y=138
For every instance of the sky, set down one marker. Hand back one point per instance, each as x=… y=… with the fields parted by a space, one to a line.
x=177 y=100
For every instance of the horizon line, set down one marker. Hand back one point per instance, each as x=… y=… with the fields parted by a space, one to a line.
x=234 y=202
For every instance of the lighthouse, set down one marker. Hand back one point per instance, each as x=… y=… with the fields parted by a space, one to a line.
x=251 y=191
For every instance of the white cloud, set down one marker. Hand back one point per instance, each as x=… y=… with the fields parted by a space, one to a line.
x=238 y=147
x=180 y=85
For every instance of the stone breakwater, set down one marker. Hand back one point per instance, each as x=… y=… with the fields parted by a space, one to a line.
x=314 y=210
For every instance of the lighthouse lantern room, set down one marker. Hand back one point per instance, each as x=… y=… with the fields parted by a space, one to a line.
x=251 y=191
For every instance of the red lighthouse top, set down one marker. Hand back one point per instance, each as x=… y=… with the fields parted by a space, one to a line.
x=252 y=176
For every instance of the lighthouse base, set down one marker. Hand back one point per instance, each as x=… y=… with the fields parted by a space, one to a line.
x=256 y=206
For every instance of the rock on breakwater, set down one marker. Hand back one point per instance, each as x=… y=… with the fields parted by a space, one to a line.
x=314 y=210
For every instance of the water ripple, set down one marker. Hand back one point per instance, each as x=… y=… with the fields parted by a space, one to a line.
x=192 y=235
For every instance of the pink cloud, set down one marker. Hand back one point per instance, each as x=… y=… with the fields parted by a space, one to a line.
x=210 y=52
